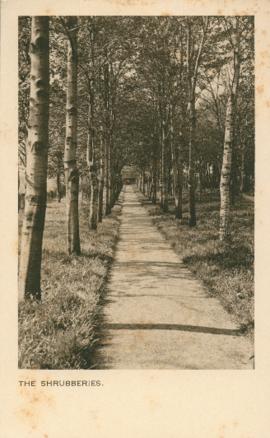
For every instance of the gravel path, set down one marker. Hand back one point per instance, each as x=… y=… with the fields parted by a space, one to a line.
x=156 y=314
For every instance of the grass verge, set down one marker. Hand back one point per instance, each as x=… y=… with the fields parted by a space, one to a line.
x=226 y=269
x=60 y=331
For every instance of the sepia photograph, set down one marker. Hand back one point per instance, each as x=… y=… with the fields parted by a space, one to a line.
x=136 y=192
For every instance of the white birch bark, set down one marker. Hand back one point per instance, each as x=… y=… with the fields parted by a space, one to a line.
x=37 y=161
x=226 y=173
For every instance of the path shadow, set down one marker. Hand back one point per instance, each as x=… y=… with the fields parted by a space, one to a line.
x=104 y=329
x=178 y=327
x=98 y=357
x=157 y=270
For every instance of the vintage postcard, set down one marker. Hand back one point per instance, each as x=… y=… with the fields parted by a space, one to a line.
x=134 y=227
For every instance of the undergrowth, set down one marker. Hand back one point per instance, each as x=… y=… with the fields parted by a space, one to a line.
x=60 y=331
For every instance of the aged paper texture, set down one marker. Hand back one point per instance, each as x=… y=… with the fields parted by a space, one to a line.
x=137 y=403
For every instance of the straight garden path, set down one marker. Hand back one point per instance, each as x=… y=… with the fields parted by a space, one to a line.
x=156 y=314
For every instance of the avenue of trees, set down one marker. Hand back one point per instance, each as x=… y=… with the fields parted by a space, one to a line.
x=172 y=96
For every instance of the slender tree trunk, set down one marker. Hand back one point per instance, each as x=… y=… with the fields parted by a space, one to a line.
x=140 y=182
x=192 y=122
x=179 y=204
x=178 y=191
x=226 y=173
x=175 y=179
x=165 y=169
x=94 y=183
x=93 y=173
x=229 y=138
x=154 y=185
x=37 y=161
x=179 y=148
x=170 y=183
x=89 y=147
x=242 y=170
x=107 y=158
x=70 y=165
x=192 y=74
x=58 y=185
x=106 y=172
x=200 y=182
x=243 y=175
x=148 y=185
x=143 y=182
x=191 y=176
x=162 y=176
x=93 y=154
x=177 y=174
x=101 y=179
x=109 y=179
x=93 y=214
x=235 y=186
x=112 y=170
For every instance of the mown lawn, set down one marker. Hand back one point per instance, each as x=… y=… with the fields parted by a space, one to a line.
x=227 y=269
x=60 y=331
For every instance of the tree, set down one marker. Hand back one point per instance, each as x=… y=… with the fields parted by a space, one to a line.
x=103 y=56
x=192 y=75
x=101 y=176
x=92 y=140
x=56 y=133
x=225 y=179
x=36 y=163
x=70 y=166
